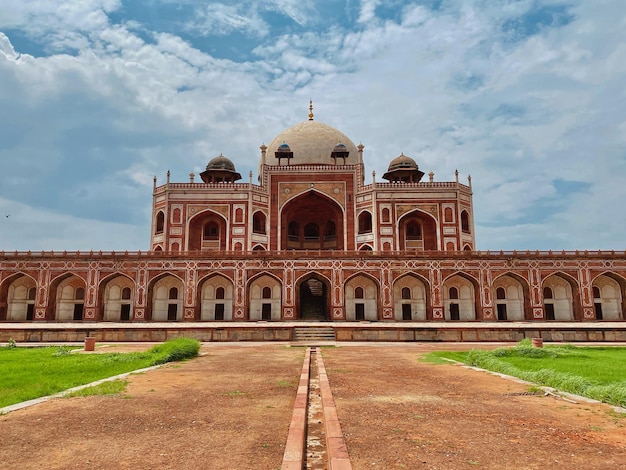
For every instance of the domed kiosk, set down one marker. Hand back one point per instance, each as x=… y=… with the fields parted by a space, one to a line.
x=220 y=170
x=403 y=168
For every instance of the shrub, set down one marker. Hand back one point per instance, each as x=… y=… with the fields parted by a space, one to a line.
x=62 y=351
x=174 y=350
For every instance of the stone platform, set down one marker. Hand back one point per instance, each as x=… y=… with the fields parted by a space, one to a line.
x=344 y=331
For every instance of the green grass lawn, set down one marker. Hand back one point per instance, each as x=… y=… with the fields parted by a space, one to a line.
x=594 y=372
x=27 y=373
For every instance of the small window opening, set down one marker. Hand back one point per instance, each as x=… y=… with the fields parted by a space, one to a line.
x=406 y=293
x=358 y=293
x=267 y=293
x=453 y=293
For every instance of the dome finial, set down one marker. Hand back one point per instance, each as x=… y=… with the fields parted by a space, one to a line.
x=310 y=109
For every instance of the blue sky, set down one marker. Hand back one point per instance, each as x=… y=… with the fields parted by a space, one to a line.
x=526 y=96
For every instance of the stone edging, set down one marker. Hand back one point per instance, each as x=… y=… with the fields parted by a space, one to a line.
x=296 y=439
x=336 y=449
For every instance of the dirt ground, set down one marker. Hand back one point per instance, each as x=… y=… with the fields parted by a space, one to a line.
x=399 y=413
x=231 y=408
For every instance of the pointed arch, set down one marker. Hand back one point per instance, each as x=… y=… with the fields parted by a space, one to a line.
x=259 y=221
x=366 y=308
x=113 y=304
x=511 y=295
x=608 y=296
x=465 y=304
x=207 y=231
x=17 y=302
x=386 y=218
x=313 y=296
x=239 y=215
x=64 y=304
x=161 y=306
x=411 y=294
x=159 y=222
x=465 y=222
x=417 y=230
x=365 y=222
x=215 y=297
x=260 y=308
x=302 y=213
x=565 y=302
x=176 y=215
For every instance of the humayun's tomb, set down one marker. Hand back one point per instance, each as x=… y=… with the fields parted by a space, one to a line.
x=315 y=241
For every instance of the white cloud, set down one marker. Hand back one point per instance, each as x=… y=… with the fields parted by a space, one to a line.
x=6 y=48
x=368 y=11
x=222 y=19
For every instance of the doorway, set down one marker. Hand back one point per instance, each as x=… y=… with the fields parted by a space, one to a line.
x=78 y=312
x=172 y=312
x=501 y=312
x=359 y=312
x=125 y=312
x=219 y=312
x=266 y=311
x=313 y=300
x=454 y=312
x=406 y=312
x=30 y=312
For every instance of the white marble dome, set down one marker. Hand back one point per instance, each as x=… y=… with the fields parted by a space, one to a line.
x=312 y=143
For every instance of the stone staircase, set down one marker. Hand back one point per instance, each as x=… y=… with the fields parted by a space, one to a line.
x=313 y=333
x=312 y=312
x=312 y=305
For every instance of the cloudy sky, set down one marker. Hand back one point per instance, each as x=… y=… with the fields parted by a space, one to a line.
x=526 y=96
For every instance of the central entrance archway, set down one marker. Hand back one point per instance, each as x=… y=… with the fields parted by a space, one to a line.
x=312 y=221
x=313 y=298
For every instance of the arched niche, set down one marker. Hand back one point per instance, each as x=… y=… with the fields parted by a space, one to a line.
x=18 y=295
x=165 y=295
x=608 y=296
x=67 y=298
x=159 y=222
x=365 y=222
x=207 y=232
x=460 y=298
x=313 y=297
x=511 y=298
x=262 y=307
x=361 y=294
x=560 y=297
x=116 y=296
x=311 y=221
x=465 y=222
x=259 y=221
x=410 y=298
x=417 y=231
x=216 y=297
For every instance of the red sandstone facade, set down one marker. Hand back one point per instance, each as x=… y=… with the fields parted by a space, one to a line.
x=312 y=241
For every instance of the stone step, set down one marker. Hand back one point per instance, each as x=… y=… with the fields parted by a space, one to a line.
x=314 y=333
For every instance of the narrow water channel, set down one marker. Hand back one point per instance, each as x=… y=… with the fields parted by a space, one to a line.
x=316 y=434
